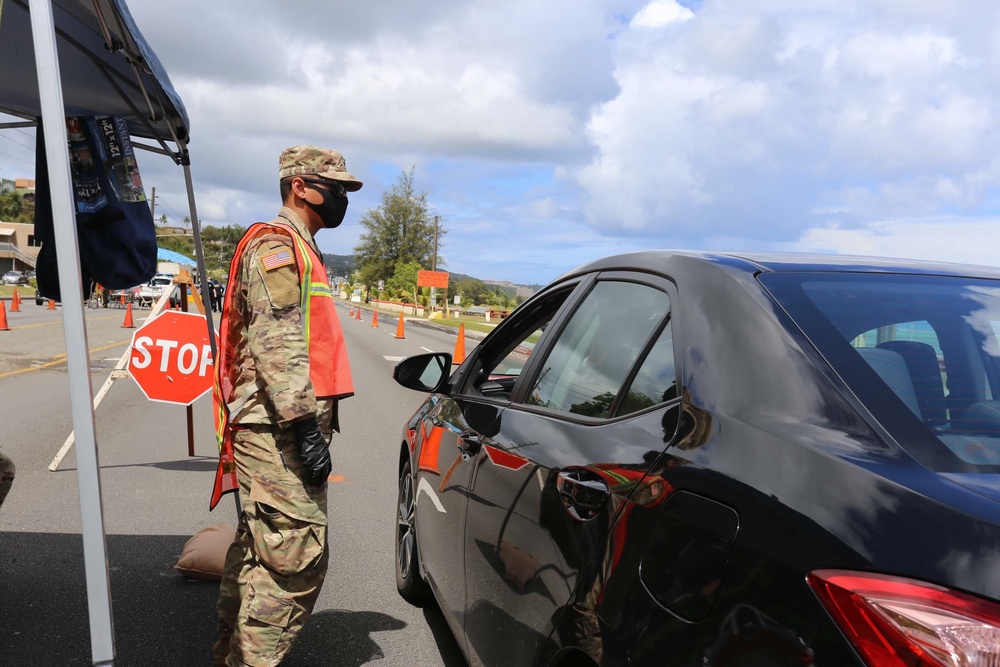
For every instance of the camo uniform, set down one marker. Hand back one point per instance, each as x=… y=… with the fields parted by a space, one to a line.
x=275 y=568
x=6 y=476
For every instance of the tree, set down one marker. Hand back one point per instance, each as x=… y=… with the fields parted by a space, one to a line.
x=10 y=206
x=398 y=230
x=473 y=292
x=404 y=279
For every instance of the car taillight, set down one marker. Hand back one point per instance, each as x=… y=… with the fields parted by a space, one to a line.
x=897 y=622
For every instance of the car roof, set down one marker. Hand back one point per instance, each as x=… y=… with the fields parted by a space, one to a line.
x=657 y=260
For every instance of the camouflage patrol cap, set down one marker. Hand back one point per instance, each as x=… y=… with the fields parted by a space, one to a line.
x=319 y=162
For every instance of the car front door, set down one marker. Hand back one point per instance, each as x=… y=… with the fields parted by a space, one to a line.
x=449 y=431
x=563 y=458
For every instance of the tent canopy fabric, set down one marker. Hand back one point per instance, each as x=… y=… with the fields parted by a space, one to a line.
x=126 y=80
x=164 y=255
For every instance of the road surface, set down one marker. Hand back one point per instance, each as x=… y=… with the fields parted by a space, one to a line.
x=155 y=497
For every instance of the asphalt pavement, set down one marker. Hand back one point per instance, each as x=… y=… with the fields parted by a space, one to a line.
x=155 y=497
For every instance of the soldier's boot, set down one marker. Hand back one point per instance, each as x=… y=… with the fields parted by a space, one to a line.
x=220 y=651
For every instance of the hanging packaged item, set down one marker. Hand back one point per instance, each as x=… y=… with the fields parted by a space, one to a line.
x=115 y=229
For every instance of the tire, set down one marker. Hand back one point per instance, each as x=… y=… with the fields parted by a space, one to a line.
x=409 y=582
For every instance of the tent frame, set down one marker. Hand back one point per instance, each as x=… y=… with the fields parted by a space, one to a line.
x=53 y=113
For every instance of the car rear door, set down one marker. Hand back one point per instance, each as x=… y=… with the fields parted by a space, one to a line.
x=546 y=489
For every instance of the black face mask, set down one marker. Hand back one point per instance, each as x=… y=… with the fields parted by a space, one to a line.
x=332 y=209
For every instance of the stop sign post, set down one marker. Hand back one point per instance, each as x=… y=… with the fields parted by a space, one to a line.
x=171 y=358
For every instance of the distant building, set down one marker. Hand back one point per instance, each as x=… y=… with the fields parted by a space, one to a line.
x=18 y=246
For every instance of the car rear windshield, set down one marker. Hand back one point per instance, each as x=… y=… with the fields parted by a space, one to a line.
x=922 y=353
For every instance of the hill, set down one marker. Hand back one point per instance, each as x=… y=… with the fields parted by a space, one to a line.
x=344 y=265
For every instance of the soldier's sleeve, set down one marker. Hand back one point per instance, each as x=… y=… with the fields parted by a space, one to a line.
x=276 y=340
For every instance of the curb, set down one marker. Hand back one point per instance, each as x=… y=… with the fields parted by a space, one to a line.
x=427 y=324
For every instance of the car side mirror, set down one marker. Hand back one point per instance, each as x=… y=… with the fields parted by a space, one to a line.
x=424 y=372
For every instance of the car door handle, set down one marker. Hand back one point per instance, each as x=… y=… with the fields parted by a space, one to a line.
x=469 y=443
x=584 y=494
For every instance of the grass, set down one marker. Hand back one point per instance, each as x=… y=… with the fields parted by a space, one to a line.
x=24 y=290
x=470 y=324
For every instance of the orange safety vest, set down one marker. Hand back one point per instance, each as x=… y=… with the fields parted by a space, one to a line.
x=329 y=370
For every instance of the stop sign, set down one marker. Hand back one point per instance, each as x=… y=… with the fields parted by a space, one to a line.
x=171 y=357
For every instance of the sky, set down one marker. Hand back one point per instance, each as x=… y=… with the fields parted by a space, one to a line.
x=548 y=134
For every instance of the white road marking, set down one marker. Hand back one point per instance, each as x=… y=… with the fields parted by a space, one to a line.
x=426 y=348
x=424 y=486
x=388 y=358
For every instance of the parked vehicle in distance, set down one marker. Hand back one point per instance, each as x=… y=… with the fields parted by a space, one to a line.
x=680 y=459
x=15 y=278
x=152 y=290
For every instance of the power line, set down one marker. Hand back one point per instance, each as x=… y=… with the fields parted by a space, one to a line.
x=18 y=164
x=30 y=148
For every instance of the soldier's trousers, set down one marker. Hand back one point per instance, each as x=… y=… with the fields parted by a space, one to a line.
x=6 y=476
x=276 y=565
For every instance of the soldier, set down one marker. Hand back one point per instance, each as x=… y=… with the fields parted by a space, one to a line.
x=281 y=369
x=6 y=476
x=216 y=296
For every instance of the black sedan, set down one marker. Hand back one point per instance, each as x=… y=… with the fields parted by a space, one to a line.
x=690 y=459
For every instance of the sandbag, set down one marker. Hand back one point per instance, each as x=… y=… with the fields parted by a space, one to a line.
x=204 y=555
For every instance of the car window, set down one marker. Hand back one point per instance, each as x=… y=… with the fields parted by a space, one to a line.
x=590 y=360
x=656 y=380
x=917 y=343
x=504 y=355
x=920 y=352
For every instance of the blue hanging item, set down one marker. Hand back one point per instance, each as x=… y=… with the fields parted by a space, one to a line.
x=115 y=229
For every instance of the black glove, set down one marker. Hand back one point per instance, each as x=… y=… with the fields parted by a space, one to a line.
x=314 y=450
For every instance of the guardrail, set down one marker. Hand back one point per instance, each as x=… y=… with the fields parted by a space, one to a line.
x=8 y=249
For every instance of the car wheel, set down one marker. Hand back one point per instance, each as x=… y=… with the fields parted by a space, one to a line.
x=38 y=302
x=409 y=582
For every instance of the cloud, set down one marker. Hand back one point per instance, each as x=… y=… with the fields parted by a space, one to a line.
x=757 y=120
x=593 y=126
x=970 y=241
x=660 y=13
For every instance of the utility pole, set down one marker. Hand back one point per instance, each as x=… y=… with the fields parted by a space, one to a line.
x=152 y=203
x=434 y=267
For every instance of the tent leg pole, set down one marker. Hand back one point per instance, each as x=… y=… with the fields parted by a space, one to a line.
x=202 y=272
x=102 y=642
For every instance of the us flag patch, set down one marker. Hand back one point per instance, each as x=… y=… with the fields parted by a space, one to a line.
x=277 y=259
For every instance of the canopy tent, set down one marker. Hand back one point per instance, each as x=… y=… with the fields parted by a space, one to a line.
x=164 y=255
x=87 y=57
x=106 y=67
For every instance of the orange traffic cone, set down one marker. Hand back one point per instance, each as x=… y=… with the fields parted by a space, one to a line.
x=459 y=355
x=357 y=314
x=127 y=324
x=123 y=299
x=15 y=302
x=3 y=318
x=351 y=314
x=399 y=327
x=375 y=319
x=52 y=304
